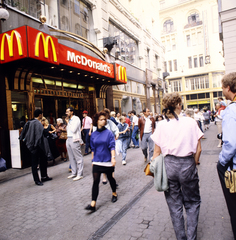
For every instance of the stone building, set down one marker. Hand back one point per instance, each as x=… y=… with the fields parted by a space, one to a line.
x=194 y=56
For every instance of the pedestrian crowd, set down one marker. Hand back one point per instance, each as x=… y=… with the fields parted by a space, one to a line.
x=175 y=133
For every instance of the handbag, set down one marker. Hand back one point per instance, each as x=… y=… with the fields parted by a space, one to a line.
x=63 y=136
x=53 y=136
x=230 y=180
x=3 y=166
x=147 y=170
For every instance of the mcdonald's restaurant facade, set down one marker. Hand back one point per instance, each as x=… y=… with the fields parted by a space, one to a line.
x=39 y=72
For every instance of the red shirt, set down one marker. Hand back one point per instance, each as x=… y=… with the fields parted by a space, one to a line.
x=127 y=120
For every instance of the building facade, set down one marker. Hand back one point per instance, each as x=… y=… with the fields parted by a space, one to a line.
x=227 y=14
x=138 y=48
x=60 y=63
x=194 y=57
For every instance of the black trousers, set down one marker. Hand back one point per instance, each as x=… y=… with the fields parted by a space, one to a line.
x=230 y=198
x=97 y=171
x=38 y=157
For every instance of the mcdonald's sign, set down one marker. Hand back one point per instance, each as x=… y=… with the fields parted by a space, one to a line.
x=45 y=47
x=121 y=75
x=13 y=45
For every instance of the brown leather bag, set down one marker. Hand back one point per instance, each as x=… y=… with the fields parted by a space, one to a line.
x=63 y=136
x=147 y=170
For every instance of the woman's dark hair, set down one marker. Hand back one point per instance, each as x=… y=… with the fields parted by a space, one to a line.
x=170 y=102
x=134 y=112
x=96 y=117
x=159 y=116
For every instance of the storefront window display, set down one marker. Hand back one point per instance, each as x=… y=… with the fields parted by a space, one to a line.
x=19 y=109
x=126 y=48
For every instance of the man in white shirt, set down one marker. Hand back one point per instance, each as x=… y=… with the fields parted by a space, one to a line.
x=134 y=129
x=146 y=125
x=73 y=144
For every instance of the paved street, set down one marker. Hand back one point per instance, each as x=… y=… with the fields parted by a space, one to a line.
x=56 y=210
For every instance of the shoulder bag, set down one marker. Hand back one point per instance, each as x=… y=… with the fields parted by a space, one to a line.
x=63 y=136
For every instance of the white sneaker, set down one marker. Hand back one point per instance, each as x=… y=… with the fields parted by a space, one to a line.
x=124 y=162
x=77 y=178
x=71 y=176
x=219 y=146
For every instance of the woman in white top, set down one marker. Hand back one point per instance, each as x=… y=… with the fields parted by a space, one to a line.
x=178 y=139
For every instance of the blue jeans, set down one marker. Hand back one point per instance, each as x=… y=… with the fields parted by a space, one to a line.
x=122 y=142
x=134 y=133
x=87 y=139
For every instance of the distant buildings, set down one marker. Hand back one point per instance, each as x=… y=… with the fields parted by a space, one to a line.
x=227 y=14
x=194 y=56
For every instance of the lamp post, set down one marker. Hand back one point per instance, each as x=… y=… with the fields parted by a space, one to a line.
x=4 y=14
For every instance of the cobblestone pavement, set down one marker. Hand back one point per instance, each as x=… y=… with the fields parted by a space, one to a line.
x=56 y=210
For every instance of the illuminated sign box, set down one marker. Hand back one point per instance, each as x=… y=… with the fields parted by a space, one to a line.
x=27 y=42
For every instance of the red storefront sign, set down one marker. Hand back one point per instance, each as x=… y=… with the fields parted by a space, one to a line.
x=27 y=42
x=121 y=75
x=13 y=45
x=76 y=59
x=42 y=46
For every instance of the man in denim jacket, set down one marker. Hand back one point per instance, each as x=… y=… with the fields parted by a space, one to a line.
x=227 y=157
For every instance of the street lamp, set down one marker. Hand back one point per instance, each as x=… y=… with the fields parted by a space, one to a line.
x=4 y=14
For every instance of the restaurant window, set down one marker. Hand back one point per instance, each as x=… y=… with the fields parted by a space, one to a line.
x=126 y=47
x=35 y=9
x=19 y=109
x=76 y=17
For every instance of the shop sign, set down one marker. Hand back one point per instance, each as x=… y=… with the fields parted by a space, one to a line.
x=42 y=46
x=121 y=75
x=74 y=58
x=198 y=102
x=13 y=45
x=27 y=42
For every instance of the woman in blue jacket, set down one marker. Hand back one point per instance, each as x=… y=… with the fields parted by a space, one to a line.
x=102 y=144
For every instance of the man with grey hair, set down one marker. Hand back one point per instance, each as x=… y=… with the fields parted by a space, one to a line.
x=73 y=144
x=227 y=157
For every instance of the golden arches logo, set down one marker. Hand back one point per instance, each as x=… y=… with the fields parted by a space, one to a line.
x=45 y=46
x=9 y=39
x=122 y=74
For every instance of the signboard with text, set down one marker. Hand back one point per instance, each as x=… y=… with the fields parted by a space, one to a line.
x=27 y=42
